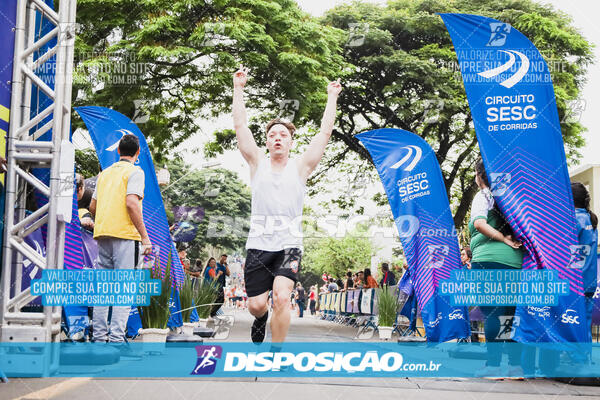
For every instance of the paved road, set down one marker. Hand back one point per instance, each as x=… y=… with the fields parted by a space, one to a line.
x=305 y=329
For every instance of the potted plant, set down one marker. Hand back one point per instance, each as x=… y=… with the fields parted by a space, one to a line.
x=388 y=308
x=204 y=297
x=156 y=315
x=186 y=298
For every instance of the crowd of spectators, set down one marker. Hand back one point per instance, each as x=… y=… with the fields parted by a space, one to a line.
x=362 y=279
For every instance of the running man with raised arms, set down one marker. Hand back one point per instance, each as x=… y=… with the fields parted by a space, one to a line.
x=278 y=186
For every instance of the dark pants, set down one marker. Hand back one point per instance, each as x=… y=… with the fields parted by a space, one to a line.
x=220 y=299
x=313 y=307
x=496 y=330
x=300 y=304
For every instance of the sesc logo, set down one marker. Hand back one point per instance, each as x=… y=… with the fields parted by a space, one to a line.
x=207 y=359
x=456 y=314
x=499 y=183
x=411 y=158
x=498 y=33
x=579 y=254
x=570 y=317
x=437 y=255
x=517 y=76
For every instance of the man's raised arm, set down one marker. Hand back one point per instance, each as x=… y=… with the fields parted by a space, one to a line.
x=313 y=154
x=245 y=140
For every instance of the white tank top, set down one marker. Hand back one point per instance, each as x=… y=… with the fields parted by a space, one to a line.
x=277 y=199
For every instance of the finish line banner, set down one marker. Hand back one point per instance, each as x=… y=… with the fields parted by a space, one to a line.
x=512 y=102
x=298 y=360
x=413 y=182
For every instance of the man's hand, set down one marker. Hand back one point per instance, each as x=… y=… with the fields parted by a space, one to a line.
x=313 y=154
x=240 y=77
x=146 y=246
x=334 y=88
x=245 y=140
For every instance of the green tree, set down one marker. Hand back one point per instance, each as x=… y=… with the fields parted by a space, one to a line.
x=406 y=68
x=178 y=56
x=338 y=255
x=86 y=163
x=225 y=200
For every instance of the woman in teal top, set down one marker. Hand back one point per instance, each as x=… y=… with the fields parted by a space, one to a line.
x=493 y=247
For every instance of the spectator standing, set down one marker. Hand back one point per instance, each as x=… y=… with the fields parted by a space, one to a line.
x=84 y=198
x=119 y=228
x=210 y=271
x=300 y=299
x=332 y=287
x=185 y=262
x=324 y=289
x=221 y=271
x=370 y=282
x=494 y=248
x=360 y=280
x=587 y=235
x=388 y=278
x=239 y=296
x=195 y=270
x=313 y=300
x=348 y=283
x=465 y=257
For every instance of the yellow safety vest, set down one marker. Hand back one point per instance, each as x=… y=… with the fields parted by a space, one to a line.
x=112 y=218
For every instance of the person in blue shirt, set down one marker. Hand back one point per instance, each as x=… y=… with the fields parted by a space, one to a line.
x=586 y=255
x=217 y=271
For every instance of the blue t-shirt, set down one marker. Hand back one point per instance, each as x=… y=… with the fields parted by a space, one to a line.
x=587 y=253
x=221 y=279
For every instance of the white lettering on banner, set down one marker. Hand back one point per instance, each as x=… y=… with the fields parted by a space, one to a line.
x=517 y=110
x=570 y=317
x=321 y=362
x=413 y=186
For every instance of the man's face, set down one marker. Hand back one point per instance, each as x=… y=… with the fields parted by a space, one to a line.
x=223 y=259
x=279 y=140
x=182 y=254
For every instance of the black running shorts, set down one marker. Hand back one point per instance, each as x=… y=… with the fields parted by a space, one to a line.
x=262 y=267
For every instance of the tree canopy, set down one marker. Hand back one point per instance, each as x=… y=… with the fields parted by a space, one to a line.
x=224 y=199
x=337 y=255
x=406 y=76
x=170 y=63
x=396 y=63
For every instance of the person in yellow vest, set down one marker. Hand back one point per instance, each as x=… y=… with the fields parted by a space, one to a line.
x=119 y=229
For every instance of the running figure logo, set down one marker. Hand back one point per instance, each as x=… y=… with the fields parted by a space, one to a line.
x=437 y=255
x=207 y=359
x=500 y=182
x=498 y=33
x=579 y=254
x=507 y=327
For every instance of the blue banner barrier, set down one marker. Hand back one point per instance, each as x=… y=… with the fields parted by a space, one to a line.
x=511 y=96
